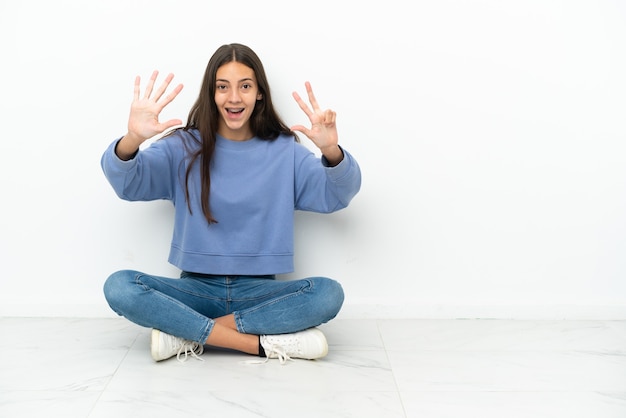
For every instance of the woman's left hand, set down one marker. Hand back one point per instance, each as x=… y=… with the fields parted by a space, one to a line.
x=323 y=130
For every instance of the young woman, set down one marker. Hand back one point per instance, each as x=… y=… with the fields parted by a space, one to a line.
x=235 y=174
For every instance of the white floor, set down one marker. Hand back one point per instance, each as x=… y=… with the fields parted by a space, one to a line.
x=387 y=368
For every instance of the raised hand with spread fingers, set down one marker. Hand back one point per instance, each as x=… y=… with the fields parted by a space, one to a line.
x=143 y=121
x=323 y=131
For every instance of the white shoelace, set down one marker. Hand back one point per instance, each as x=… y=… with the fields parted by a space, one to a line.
x=283 y=357
x=280 y=352
x=191 y=348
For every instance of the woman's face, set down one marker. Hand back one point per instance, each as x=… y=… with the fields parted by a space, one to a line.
x=236 y=93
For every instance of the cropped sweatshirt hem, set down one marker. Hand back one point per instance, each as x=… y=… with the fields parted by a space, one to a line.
x=252 y=265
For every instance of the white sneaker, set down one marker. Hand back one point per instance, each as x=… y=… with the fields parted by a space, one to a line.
x=164 y=346
x=309 y=344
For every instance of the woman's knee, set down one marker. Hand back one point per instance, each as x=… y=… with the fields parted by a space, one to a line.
x=331 y=294
x=116 y=287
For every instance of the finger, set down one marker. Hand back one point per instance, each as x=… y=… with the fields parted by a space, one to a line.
x=171 y=96
x=329 y=117
x=312 y=99
x=169 y=124
x=300 y=128
x=302 y=105
x=137 y=88
x=159 y=92
x=150 y=85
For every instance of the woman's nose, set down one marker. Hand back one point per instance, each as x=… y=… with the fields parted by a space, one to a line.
x=234 y=96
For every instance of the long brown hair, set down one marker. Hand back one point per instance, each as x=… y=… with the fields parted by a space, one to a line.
x=203 y=116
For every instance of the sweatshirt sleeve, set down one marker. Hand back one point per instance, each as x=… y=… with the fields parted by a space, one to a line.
x=325 y=189
x=147 y=176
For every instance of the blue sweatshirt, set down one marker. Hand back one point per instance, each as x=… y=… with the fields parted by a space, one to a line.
x=255 y=187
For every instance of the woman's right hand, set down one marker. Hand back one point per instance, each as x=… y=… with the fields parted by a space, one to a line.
x=143 y=122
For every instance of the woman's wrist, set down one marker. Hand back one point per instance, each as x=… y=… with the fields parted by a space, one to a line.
x=333 y=155
x=126 y=147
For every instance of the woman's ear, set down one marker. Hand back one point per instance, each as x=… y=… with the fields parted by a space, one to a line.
x=259 y=96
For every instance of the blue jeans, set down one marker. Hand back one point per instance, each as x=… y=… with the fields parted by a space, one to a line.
x=185 y=307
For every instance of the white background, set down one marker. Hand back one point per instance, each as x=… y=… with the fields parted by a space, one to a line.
x=490 y=134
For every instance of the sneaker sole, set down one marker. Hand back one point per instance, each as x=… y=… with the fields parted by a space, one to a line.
x=322 y=344
x=154 y=345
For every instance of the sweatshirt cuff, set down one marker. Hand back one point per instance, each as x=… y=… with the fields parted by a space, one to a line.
x=111 y=161
x=340 y=170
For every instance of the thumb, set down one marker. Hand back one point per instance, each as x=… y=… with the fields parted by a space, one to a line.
x=300 y=128
x=169 y=124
